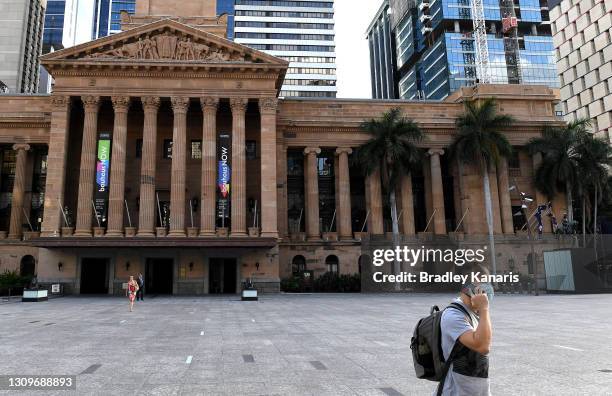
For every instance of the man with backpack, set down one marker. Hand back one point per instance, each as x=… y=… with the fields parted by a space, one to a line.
x=451 y=346
x=466 y=333
x=140 y=292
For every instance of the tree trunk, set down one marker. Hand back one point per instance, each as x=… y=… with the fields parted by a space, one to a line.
x=568 y=199
x=595 y=222
x=395 y=229
x=489 y=212
x=583 y=221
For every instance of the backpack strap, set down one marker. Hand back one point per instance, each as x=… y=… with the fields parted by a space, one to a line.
x=456 y=348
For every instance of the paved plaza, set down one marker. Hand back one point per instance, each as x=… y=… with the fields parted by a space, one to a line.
x=296 y=344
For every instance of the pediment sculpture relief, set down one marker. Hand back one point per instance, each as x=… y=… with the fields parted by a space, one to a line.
x=169 y=47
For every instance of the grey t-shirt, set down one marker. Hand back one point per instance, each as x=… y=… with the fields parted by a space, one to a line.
x=454 y=323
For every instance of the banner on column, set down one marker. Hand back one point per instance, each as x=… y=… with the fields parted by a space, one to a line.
x=102 y=172
x=223 y=178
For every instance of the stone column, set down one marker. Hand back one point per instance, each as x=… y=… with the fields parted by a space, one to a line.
x=437 y=191
x=208 y=187
x=281 y=193
x=343 y=217
x=18 y=191
x=116 y=206
x=505 y=202
x=238 y=192
x=375 y=222
x=311 y=190
x=56 y=166
x=180 y=105
x=407 y=205
x=88 y=163
x=146 y=221
x=269 y=223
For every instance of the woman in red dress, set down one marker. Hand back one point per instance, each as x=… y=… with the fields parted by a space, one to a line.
x=132 y=288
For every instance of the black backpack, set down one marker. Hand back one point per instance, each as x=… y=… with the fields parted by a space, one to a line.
x=426 y=345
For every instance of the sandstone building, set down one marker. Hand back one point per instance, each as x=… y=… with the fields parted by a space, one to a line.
x=164 y=149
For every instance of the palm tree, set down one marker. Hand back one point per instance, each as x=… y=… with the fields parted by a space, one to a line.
x=392 y=150
x=595 y=159
x=559 y=170
x=480 y=142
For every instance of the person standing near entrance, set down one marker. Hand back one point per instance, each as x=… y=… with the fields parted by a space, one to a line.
x=140 y=292
x=132 y=289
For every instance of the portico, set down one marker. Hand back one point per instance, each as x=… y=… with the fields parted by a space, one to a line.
x=169 y=144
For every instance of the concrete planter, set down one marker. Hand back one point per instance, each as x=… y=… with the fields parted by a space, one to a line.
x=130 y=232
x=192 y=232
x=99 y=231
x=222 y=232
x=3 y=234
x=31 y=235
x=330 y=236
x=160 y=231
x=253 y=231
x=67 y=231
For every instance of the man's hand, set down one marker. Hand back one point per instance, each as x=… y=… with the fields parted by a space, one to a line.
x=480 y=302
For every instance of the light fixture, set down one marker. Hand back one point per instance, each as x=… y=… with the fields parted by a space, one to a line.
x=191 y=266
x=127 y=265
x=257 y=265
x=59 y=266
x=512 y=188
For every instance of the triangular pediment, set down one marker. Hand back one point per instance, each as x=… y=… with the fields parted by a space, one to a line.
x=163 y=42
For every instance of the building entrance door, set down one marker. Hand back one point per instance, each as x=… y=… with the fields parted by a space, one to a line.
x=94 y=276
x=223 y=276
x=159 y=275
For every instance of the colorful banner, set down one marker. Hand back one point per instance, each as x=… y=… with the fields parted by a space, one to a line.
x=223 y=177
x=102 y=175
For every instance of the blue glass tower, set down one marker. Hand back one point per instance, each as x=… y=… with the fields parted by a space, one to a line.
x=227 y=7
x=434 y=46
x=107 y=16
x=54 y=25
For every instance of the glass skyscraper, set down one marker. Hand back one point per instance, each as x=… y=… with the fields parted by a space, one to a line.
x=107 y=16
x=434 y=53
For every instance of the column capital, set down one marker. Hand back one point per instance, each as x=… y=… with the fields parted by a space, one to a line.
x=121 y=104
x=268 y=105
x=435 y=151
x=238 y=104
x=60 y=101
x=21 y=146
x=312 y=150
x=150 y=103
x=210 y=103
x=180 y=104
x=341 y=150
x=91 y=103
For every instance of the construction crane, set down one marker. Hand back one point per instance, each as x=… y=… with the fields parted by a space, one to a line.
x=481 y=46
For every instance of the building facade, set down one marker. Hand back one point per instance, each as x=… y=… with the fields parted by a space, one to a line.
x=434 y=46
x=583 y=47
x=21 y=26
x=301 y=32
x=164 y=149
x=382 y=54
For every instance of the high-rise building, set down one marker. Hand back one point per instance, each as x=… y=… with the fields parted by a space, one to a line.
x=434 y=50
x=581 y=34
x=21 y=26
x=382 y=54
x=107 y=16
x=53 y=31
x=301 y=32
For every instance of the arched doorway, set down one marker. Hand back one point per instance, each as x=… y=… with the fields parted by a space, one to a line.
x=332 y=264
x=27 y=267
x=298 y=265
x=364 y=262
